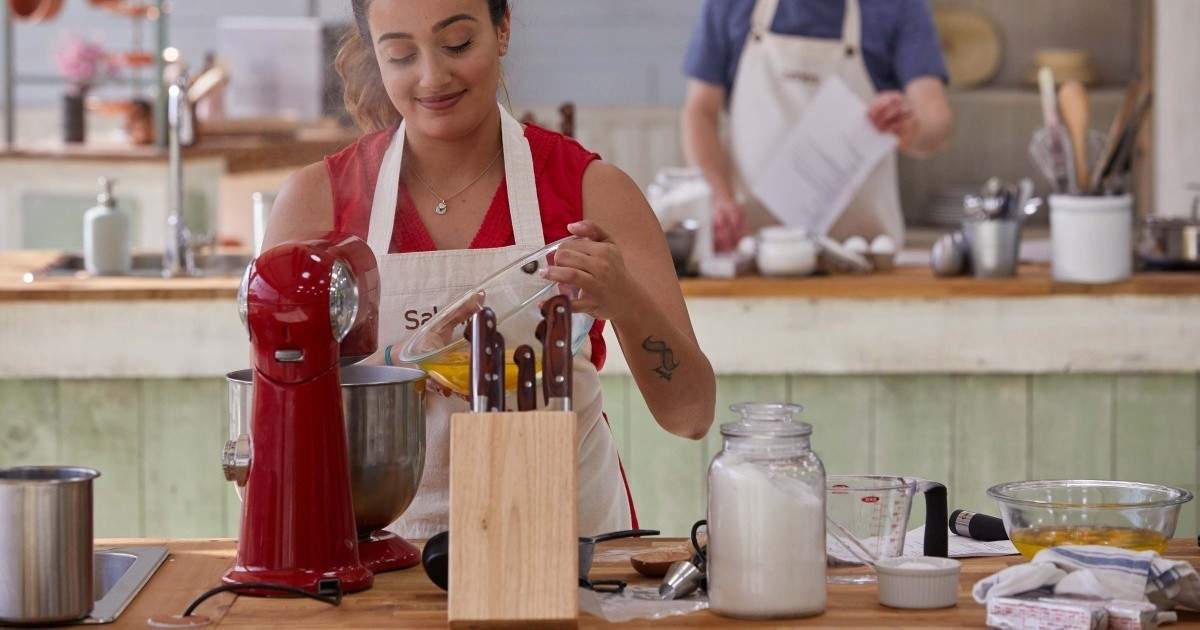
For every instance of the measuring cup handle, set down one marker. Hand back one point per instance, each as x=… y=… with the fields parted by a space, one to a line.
x=937 y=531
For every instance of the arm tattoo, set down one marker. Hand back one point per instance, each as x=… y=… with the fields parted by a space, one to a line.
x=667 y=362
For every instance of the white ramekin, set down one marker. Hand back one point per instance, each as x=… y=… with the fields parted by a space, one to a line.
x=923 y=582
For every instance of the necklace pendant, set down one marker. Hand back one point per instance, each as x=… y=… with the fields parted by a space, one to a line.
x=441 y=208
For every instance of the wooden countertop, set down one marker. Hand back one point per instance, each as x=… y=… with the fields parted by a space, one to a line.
x=242 y=154
x=19 y=281
x=408 y=599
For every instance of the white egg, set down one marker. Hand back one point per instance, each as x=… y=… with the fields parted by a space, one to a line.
x=857 y=244
x=748 y=246
x=883 y=244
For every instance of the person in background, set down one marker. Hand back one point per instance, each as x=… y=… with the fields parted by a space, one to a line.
x=753 y=56
x=447 y=187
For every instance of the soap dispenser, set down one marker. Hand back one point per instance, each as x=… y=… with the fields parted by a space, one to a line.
x=106 y=235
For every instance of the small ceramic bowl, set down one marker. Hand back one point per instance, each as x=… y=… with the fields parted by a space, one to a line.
x=923 y=582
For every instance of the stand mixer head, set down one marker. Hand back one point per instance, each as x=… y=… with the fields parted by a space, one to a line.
x=307 y=304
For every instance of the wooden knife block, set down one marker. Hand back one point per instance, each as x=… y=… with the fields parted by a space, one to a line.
x=514 y=547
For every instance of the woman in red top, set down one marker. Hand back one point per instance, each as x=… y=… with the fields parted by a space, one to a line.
x=447 y=187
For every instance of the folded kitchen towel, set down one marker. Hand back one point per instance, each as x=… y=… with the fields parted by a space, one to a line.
x=1098 y=572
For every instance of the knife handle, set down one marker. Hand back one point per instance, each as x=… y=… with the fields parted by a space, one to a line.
x=495 y=392
x=556 y=352
x=526 y=378
x=479 y=334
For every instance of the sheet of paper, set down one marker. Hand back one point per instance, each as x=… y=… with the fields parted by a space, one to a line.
x=823 y=161
x=960 y=546
x=914 y=542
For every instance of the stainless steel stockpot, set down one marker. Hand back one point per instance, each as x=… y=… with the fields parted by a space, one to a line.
x=45 y=544
x=384 y=409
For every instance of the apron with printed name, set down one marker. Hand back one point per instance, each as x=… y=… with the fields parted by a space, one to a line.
x=777 y=76
x=419 y=283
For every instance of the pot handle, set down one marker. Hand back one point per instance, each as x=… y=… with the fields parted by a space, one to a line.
x=937 y=529
x=628 y=533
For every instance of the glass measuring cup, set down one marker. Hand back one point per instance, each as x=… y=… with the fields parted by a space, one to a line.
x=869 y=515
x=515 y=293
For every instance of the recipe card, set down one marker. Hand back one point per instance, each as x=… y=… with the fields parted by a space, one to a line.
x=823 y=161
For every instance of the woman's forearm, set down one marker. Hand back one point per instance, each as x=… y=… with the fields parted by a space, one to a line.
x=671 y=371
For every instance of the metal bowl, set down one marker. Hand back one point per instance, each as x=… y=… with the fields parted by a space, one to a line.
x=384 y=409
x=1130 y=515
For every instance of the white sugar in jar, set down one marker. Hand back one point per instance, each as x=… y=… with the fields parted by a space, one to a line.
x=766 y=517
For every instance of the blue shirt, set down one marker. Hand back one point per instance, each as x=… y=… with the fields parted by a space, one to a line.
x=899 y=41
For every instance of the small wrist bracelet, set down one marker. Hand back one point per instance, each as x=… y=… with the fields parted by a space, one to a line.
x=387 y=355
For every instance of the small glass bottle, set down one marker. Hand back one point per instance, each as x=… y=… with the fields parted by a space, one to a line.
x=766 y=517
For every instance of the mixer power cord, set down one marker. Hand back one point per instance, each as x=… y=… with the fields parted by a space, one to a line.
x=328 y=592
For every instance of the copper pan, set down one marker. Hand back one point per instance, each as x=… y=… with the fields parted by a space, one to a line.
x=35 y=10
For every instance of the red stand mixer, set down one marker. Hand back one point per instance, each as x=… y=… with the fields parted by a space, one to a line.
x=310 y=306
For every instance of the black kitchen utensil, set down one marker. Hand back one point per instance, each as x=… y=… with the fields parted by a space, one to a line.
x=526 y=378
x=587 y=545
x=937 y=538
x=977 y=526
x=555 y=335
x=435 y=558
x=487 y=367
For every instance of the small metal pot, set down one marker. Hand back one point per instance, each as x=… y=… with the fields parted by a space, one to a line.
x=1170 y=243
x=384 y=412
x=45 y=544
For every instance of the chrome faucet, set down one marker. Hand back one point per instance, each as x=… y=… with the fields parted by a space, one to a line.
x=178 y=256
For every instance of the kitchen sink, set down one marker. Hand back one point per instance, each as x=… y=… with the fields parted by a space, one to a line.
x=150 y=265
x=117 y=577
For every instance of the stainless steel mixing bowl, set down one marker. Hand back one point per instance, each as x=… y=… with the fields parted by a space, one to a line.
x=384 y=409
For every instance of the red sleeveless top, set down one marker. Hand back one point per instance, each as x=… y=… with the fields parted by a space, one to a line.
x=558 y=166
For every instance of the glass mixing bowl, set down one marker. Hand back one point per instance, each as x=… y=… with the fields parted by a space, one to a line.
x=1126 y=514
x=515 y=293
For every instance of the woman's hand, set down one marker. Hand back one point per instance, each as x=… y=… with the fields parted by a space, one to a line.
x=596 y=267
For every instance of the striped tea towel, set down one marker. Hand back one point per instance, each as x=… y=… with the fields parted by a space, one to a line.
x=1098 y=572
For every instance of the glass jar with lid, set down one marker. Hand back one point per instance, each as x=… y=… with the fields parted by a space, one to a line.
x=766 y=517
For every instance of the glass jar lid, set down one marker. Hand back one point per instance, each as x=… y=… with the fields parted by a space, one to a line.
x=766 y=420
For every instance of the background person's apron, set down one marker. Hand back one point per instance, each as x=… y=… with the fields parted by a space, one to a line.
x=424 y=280
x=777 y=77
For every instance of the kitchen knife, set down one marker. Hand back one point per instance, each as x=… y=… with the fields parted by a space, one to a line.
x=526 y=378
x=555 y=333
x=495 y=392
x=481 y=335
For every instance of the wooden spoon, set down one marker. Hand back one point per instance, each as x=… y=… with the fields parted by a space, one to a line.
x=655 y=563
x=1073 y=101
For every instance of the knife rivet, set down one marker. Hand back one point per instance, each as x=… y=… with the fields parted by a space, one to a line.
x=487 y=350
x=560 y=310
x=491 y=325
x=560 y=344
x=559 y=379
x=528 y=383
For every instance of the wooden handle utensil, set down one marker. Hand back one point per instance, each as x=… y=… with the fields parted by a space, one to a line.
x=556 y=352
x=1073 y=101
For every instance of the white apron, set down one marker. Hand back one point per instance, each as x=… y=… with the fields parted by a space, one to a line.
x=777 y=76
x=424 y=280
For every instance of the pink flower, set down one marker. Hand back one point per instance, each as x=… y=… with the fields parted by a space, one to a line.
x=83 y=62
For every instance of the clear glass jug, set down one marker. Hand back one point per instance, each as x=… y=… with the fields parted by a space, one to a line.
x=868 y=517
x=766 y=517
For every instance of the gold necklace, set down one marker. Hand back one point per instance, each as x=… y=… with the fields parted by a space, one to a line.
x=441 y=206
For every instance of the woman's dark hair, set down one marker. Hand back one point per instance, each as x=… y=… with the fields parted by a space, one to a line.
x=363 y=91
